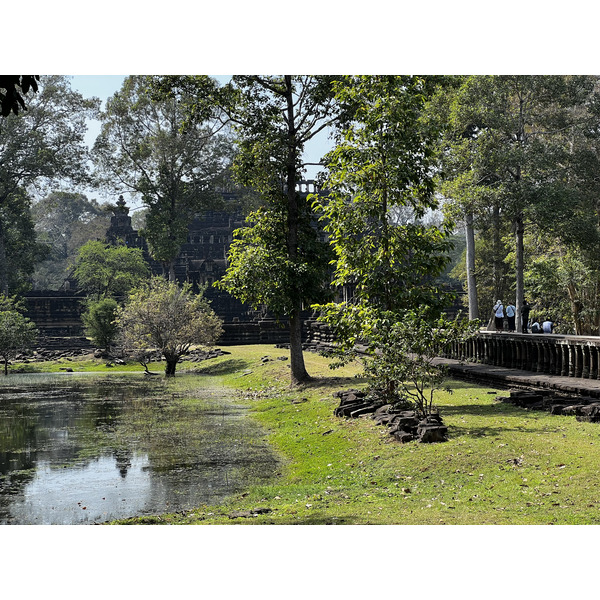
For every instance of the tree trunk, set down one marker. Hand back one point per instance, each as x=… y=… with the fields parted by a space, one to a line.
x=5 y=367
x=497 y=262
x=575 y=308
x=298 y=370
x=297 y=367
x=520 y=262
x=3 y=269
x=471 y=280
x=171 y=365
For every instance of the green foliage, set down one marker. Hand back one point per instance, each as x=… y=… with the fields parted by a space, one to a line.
x=64 y=221
x=404 y=352
x=163 y=316
x=149 y=147
x=278 y=260
x=17 y=333
x=511 y=152
x=382 y=162
x=38 y=147
x=19 y=250
x=99 y=320
x=103 y=270
x=260 y=271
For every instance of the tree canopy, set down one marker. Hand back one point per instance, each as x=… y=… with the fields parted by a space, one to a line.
x=148 y=147
x=40 y=147
x=161 y=315
x=64 y=221
x=382 y=161
x=17 y=332
x=104 y=271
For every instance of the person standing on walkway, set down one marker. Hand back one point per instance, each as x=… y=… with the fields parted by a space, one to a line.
x=511 y=313
x=525 y=316
x=499 y=316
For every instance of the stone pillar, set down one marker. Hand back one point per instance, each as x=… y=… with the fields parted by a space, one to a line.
x=572 y=360
x=539 y=346
x=564 y=368
x=585 y=363
x=512 y=348
x=578 y=361
x=593 y=362
x=549 y=362
x=557 y=359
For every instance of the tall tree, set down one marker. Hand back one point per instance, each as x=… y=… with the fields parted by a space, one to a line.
x=507 y=144
x=146 y=149
x=17 y=333
x=382 y=162
x=41 y=147
x=274 y=117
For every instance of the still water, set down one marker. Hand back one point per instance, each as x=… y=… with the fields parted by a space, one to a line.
x=83 y=449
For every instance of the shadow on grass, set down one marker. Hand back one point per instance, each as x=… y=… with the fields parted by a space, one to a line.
x=321 y=382
x=227 y=367
x=494 y=412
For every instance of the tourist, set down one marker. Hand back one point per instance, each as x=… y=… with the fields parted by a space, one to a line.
x=511 y=313
x=525 y=315
x=535 y=327
x=547 y=326
x=499 y=315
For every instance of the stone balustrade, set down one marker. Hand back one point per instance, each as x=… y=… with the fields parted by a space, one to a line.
x=553 y=354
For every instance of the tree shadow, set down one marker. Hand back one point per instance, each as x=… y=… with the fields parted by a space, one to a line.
x=227 y=367
x=493 y=411
x=321 y=382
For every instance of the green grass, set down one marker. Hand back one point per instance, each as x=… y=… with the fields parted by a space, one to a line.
x=501 y=465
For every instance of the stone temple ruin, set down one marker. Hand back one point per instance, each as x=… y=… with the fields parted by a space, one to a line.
x=202 y=261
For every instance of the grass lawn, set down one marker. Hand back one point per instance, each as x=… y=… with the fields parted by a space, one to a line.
x=501 y=465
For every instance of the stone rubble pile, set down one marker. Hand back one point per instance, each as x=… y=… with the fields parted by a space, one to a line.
x=405 y=425
x=583 y=408
x=43 y=354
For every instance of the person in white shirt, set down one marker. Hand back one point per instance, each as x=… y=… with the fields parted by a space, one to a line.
x=547 y=326
x=499 y=315
x=511 y=311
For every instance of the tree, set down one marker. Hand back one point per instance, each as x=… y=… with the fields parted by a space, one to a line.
x=99 y=320
x=509 y=146
x=407 y=353
x=278 y=260
x=64 y=221
x=382 y=160
x=42 y=146
x=171 y=319
x=19 y=246
x=145 y=149
x=17 y=333
x=104 y=271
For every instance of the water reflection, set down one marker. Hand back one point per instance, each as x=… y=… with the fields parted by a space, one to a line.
x=89 y=450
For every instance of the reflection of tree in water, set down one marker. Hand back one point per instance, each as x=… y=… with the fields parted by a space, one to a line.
x=123 y=459
x=17 y=440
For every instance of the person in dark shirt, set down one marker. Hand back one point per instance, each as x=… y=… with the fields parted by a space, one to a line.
x=525 y=315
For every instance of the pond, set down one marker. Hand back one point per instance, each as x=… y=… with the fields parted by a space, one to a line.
x=84 y=449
